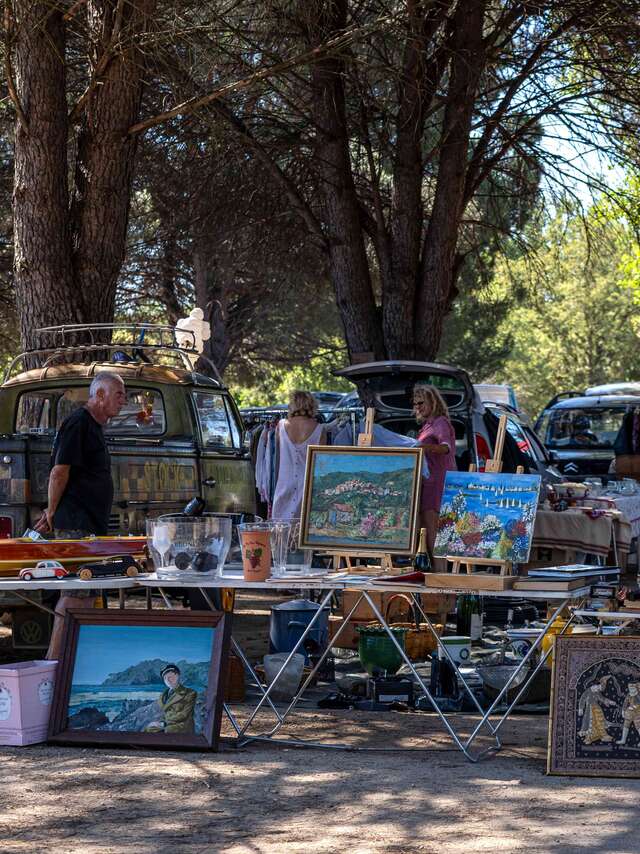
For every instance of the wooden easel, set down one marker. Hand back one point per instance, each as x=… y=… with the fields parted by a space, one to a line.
x=492 y=466
x=365 y=440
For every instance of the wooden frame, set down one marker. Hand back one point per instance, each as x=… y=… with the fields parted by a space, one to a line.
x=59 y=730
x=594 y=725
x=364 y=545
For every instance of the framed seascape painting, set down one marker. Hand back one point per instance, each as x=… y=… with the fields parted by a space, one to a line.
x=489 y=516
x=143 y=678
x=362 y=500
x=594 y=727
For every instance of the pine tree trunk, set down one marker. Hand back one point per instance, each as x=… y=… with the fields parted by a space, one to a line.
x=347 y=258
x=439 y=256
x=45 y=294
x=106 y=154
x=68 y=253
x=418 y=85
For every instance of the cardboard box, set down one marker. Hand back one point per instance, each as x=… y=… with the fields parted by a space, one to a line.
x=26 y=693
x=349 y=636
x=472 y=581
x=628 y=465
x=234 y=689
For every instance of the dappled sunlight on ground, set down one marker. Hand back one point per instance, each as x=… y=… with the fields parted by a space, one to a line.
x=268 y=798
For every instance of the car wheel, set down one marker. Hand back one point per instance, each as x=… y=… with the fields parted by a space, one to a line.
x=85 y=574
x=27 y=576
x=132 y=571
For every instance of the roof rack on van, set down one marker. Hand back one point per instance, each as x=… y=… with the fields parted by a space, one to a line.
x=77 y=343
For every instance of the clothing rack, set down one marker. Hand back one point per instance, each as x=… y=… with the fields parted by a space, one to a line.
x=262 y=415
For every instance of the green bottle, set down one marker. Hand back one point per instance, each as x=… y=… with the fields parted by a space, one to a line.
x=422 y=561
x=469 y=616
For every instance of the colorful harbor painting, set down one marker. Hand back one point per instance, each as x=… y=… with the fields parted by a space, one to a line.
x=487 y=516
x=361 y=499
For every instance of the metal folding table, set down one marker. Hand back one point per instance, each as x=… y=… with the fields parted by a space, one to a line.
x=22 y=588
x=365 y=588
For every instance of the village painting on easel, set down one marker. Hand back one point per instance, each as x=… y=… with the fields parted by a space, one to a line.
x=487 y=516
x=361 y=499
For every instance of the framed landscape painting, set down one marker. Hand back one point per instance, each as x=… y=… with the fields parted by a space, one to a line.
x=362 y=500
x=144 y=678
x=487 y=516
x=594 y=727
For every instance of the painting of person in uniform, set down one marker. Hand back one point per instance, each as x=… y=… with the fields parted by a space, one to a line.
x=177 y=704
x=590 y=708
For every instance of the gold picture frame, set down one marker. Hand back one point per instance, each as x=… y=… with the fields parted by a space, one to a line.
x=361 y=500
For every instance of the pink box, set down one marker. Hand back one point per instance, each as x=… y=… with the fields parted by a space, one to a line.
x=26 y=693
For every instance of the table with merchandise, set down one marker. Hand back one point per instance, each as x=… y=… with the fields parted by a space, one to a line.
x=366 y=587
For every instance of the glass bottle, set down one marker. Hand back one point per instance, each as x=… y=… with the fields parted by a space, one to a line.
x=422 y=561
x=469 y=616
x=475 y=632
x=195 y=507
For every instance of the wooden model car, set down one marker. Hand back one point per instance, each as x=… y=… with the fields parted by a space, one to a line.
x=113 y=566
x=44 y=569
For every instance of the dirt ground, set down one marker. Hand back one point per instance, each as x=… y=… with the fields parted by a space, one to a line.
x=278 y=799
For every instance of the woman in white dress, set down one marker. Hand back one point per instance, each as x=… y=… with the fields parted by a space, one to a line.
x=295 y=433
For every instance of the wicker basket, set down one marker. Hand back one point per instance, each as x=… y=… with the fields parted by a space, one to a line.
x=419 y=641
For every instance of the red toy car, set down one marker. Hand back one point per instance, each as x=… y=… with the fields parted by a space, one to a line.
x=44 y=569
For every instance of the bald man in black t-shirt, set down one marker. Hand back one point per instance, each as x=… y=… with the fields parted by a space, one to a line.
x=80 y=483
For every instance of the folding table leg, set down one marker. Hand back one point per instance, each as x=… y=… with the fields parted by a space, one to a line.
x=461 y=746
x=269 y=735
x=267 y=693
x=514 y=675
x=247 y=665
x=447 y=655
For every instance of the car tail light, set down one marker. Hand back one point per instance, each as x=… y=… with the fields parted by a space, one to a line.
x=483 y=451
x=6 y=527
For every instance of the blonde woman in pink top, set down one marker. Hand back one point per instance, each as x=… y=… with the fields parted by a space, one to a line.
x=438 y=440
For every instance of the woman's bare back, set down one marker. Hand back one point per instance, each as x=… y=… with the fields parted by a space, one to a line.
x=299 y=428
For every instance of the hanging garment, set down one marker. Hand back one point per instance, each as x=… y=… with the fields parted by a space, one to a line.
x=287 y=499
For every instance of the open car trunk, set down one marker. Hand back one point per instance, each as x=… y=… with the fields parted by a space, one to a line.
x=388 y=388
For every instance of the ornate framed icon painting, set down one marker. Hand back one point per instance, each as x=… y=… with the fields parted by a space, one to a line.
x=362 y=500
x=143 y=678
x=594 y=727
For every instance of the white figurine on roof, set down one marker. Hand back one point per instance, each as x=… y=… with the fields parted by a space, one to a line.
x=193 y=331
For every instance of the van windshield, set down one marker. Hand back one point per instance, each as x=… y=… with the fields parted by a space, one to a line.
x=584 y=427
